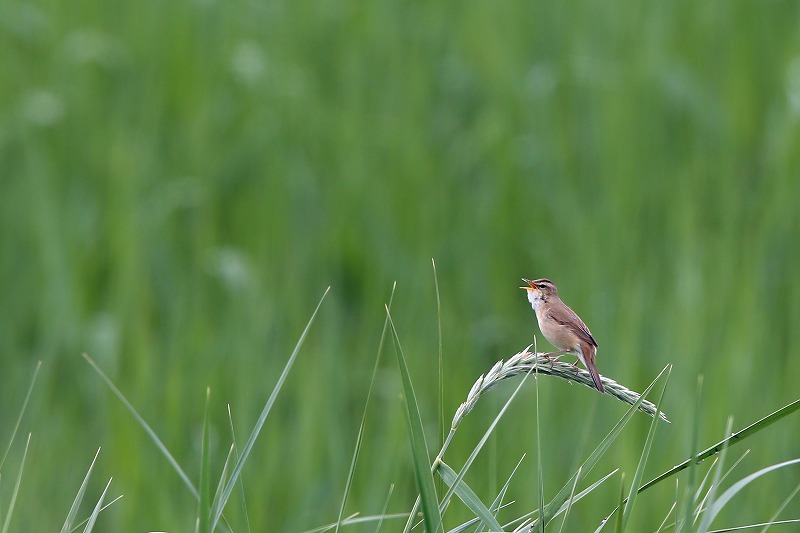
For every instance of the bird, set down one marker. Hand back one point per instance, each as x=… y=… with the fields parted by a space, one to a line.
x=561 y=326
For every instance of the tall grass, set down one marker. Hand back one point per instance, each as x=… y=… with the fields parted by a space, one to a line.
x=180 y=181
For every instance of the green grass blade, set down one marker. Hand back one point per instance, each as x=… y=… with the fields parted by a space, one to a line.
x=569 y=502
x=475 y=521
x=223 y=478
x=419 y=448
x=664 y=522
x=637 y=477
x=578 y=497
x=21 y=414
x=714 y=509
x=562 y=495
x=753 y=526
x=385 y=506
x=440 y=365
x=235 y=448
x=359 y=520
x=780 y=509
x=621 y=500
x=248 y=447
x=702 y=485
x=496 y=504
x=468 y=496
x=152 y=434
x=360 y=437
x=14 y=494
x=103 y=508
x=690 y=501
x=734 y=438
x=73 y=511
x=733 y=466
x=203 y=504
x=498 y=501
x=715 y=468
x=705 y=523
x=97 y=508
x=411 y=515
x=539 y=473
x=589 y=489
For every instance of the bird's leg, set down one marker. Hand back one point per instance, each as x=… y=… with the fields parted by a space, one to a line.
x=548 y=355
x=551 y=360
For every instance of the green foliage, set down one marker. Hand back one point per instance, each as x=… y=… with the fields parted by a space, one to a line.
x=179 y=181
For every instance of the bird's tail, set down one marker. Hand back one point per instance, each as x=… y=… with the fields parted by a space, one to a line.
x=588 y=361
x=596 y=378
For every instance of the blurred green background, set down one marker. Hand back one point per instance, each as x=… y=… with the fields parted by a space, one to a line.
x=180 y=181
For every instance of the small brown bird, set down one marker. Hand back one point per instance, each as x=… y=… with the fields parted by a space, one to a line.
x=561 y=326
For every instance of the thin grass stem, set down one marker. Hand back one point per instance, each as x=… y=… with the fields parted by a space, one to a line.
x=21 y=413
x=15 y=492
x=360 y=435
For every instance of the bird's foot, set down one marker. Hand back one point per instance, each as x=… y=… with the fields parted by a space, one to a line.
x=553 y=356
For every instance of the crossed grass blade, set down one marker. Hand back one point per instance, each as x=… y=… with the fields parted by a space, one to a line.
x=733 y=438
x=585 y=492
x=97 y=508
x=569 y=503
x=737 y=436
x=355 y=520
x=713 y=510
x=780 y=508
x=468 y=496
x=235 y=455
x=705 y=523
x=753 y=526
x=702 y=507
x=498 y=501
x=494 y=508
x=73 y=510
x=637 y=477
x=152 y=434
x=216 y=511
x=103 y=508
x=360 y=436
x=690 y=500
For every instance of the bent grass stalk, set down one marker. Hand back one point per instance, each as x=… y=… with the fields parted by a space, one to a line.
x=524 y=362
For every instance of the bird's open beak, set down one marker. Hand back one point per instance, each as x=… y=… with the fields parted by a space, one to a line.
x=530 y=283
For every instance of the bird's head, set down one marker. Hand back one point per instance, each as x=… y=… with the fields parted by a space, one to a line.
x=539 y=289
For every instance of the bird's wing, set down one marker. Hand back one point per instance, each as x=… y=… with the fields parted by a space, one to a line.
x=577 y=324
